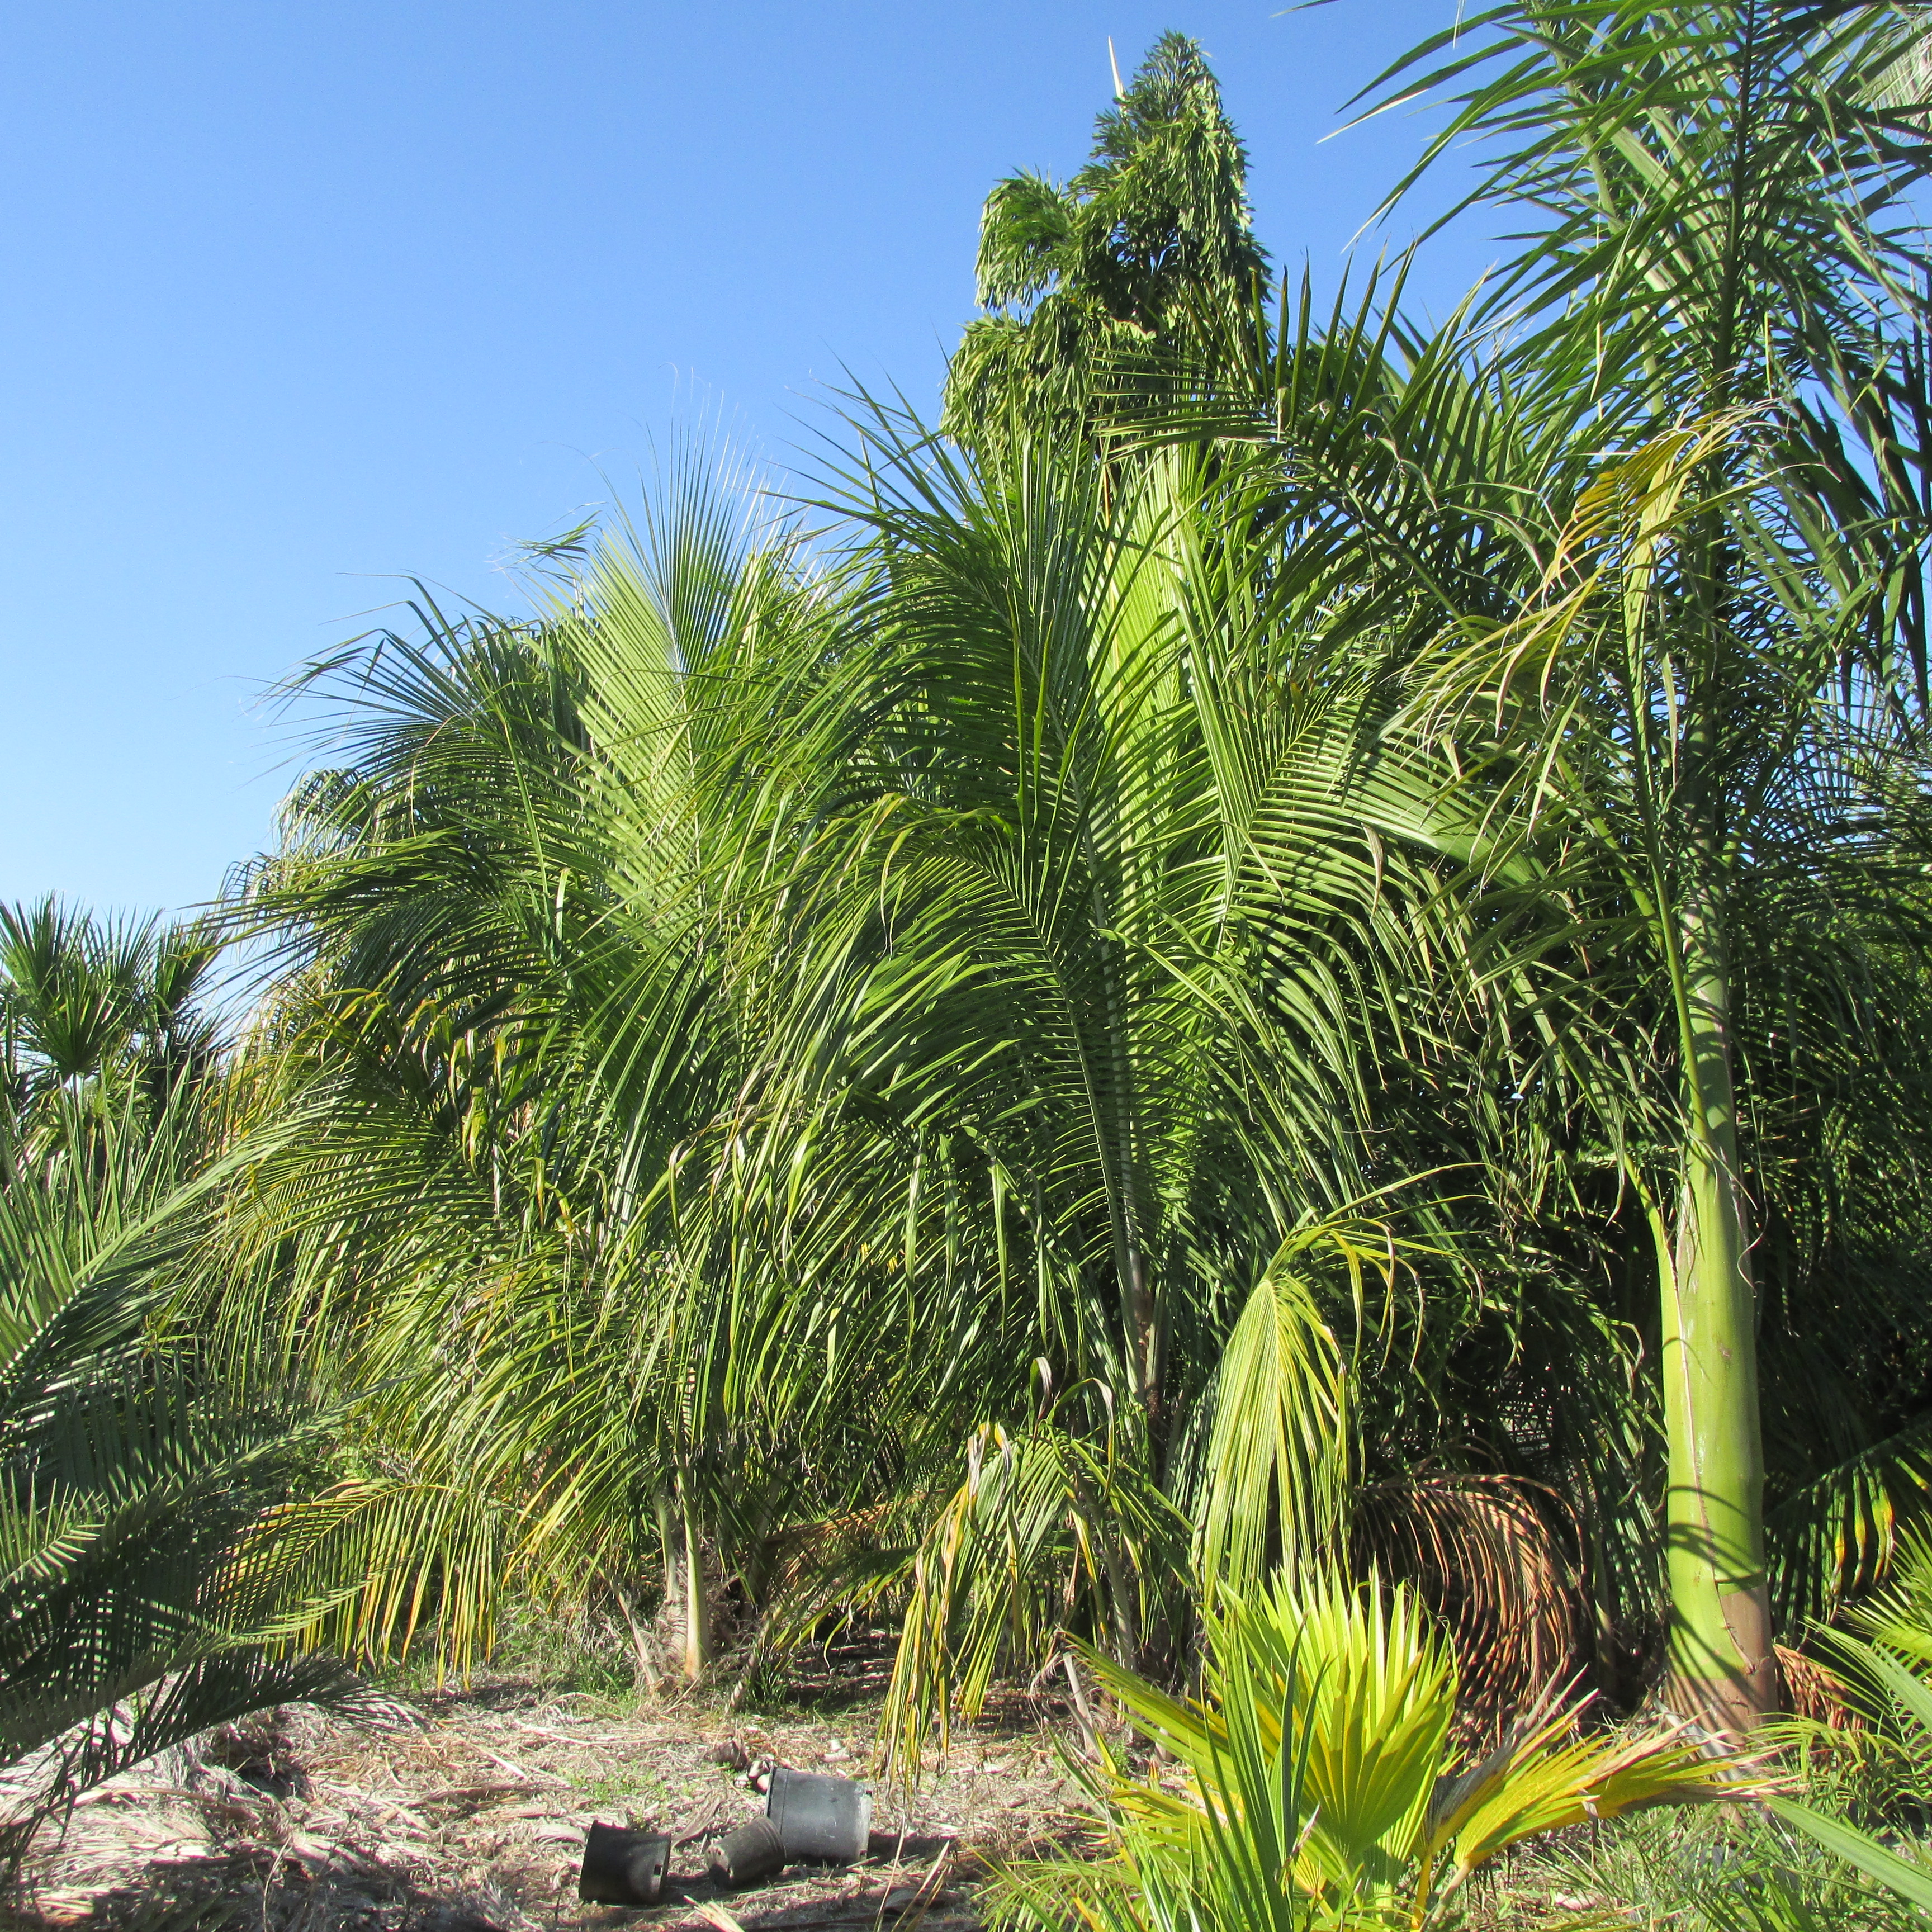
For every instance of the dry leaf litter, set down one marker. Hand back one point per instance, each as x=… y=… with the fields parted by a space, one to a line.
x=466 y=1809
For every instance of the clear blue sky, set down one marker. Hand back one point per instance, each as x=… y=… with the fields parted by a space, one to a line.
x=302 y=295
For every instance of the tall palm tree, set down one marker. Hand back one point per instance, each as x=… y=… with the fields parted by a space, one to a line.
x=1717 y=688
x=1091 y=287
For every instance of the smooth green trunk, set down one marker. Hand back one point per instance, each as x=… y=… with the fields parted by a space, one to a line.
x=660 y=1503
x=697 y=1605
x=1723 y=1667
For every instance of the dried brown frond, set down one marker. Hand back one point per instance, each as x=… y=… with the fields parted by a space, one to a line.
x=1489 y=1555
x=1817 y=1694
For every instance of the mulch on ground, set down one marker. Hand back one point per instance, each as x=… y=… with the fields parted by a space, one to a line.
x=466 y=1809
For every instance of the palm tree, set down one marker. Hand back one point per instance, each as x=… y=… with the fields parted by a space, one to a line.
x=88 y=1002
x=1092 y=286
x=513 y=927
x=1713 y=700
x=157 y=1548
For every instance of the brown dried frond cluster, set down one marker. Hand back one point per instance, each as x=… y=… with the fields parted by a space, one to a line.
x=1815 y=1693
x=1486 y=1554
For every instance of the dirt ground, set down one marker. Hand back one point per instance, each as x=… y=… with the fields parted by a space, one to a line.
x=466 y=1809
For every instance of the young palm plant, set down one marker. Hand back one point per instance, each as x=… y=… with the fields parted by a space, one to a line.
x=1314 y=1783
x=151 y=1566
x=1883 y=1673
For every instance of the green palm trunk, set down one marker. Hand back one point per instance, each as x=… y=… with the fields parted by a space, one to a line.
x=1722 y=1666
x=697 y=1599
x=1729 y=241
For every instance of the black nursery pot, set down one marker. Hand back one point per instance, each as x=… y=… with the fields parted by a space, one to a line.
x=820 y=1817
x=752 y=1851
x=622 y=1868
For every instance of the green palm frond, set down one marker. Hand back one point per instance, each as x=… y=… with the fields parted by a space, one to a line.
x=1319 y=1786
x=146 y=1583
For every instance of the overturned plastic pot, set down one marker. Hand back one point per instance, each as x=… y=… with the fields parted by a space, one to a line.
x=622 y=1868
x=820 y=1817
x=752 y=1851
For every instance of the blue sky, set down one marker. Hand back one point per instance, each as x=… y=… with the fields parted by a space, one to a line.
x=303 y=296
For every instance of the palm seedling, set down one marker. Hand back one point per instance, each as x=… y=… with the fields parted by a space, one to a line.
x=1314 y=1783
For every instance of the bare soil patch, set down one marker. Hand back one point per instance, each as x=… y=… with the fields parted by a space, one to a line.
x=466 y=1809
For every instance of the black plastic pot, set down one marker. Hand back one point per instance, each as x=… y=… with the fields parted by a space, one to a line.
x=622 y=1868
x=820 y=1817
x=752 y=1851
